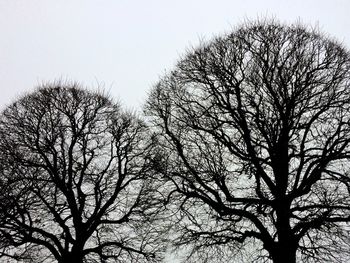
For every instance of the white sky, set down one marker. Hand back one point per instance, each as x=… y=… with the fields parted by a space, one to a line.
x=126 y=45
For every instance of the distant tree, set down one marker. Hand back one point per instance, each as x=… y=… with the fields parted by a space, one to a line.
x=74 y=180
x=254 y=146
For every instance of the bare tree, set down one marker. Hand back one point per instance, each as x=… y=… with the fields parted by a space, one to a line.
x=253 y=135
x=74 y=180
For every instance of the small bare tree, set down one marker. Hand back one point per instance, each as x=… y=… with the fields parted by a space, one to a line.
x=253 y=135
x=74 y=180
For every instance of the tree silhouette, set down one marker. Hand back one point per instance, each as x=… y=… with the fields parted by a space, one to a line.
x=253 y=140
x=74 y=180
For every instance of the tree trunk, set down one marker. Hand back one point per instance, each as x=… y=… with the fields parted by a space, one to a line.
x=284 y=250
x=284 y=254
x=72 y=258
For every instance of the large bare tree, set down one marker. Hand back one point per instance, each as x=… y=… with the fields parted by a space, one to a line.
x=74 y=180
x=253 y=140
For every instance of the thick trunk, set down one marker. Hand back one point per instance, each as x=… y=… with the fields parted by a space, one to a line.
x=75 y=255
x=284 y=253
x=72 y=258
x=284 y=250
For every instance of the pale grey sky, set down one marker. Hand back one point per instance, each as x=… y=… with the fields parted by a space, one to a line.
x=126 y=45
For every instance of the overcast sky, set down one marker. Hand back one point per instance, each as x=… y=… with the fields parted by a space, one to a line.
x=126 y=45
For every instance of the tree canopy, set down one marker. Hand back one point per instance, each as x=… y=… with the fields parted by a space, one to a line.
x=243 y=156
x=74 y=180
x=253 y=133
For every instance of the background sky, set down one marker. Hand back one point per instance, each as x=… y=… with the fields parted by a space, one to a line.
x=124 y=45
